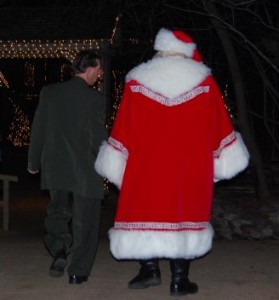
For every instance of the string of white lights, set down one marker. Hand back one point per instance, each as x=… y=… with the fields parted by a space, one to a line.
x=27 y=49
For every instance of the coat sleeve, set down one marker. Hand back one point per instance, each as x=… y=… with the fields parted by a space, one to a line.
x=113 y=154
x=230 y=155
x=37 y=136
x=98 y=123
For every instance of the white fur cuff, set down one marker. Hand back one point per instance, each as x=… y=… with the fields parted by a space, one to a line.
x=232 y=160
x=111 y=163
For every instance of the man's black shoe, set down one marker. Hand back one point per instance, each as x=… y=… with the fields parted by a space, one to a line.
x=58 y=265
x=74 y=279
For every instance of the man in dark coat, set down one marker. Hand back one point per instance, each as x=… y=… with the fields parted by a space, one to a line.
x=66 y=133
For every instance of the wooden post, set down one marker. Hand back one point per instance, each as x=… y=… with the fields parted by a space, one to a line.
x=6 y=201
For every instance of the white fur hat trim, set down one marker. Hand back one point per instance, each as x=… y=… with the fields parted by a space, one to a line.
x=167 y=41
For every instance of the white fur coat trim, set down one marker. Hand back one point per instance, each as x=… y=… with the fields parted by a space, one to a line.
x=232 y=160
x=169 y=76
x=111 y=163
x=145 y=244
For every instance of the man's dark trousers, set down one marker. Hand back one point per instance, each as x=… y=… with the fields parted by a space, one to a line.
x=82 y=236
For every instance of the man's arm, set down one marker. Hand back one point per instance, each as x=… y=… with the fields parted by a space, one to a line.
x=37 y=137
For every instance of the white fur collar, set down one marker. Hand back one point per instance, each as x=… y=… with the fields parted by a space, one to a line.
x=169 y=76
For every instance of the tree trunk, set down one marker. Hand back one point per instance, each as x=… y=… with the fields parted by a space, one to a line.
x=243 y=120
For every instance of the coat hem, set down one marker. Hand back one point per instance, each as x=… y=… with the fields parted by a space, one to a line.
x=146 y=244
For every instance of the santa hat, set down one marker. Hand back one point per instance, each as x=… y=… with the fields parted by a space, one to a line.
x=176 y=41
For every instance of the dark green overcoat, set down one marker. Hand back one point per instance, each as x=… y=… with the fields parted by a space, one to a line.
x=68 y=128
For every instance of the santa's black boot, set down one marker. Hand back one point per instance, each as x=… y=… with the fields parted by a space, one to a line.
x=180 y=284
x=149 y=275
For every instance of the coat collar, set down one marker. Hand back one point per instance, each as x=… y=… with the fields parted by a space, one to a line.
x=169 y=76
x=79 y=80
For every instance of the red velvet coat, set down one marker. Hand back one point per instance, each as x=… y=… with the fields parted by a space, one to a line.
x=172 y=136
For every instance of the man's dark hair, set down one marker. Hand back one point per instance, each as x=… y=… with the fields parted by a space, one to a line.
x=85 y=59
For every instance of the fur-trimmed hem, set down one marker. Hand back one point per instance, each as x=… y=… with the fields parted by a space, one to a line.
x=145 y=244
x=111 y=163
x=232 y=160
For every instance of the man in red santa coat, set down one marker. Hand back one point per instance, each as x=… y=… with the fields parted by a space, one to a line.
x=172 y=138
